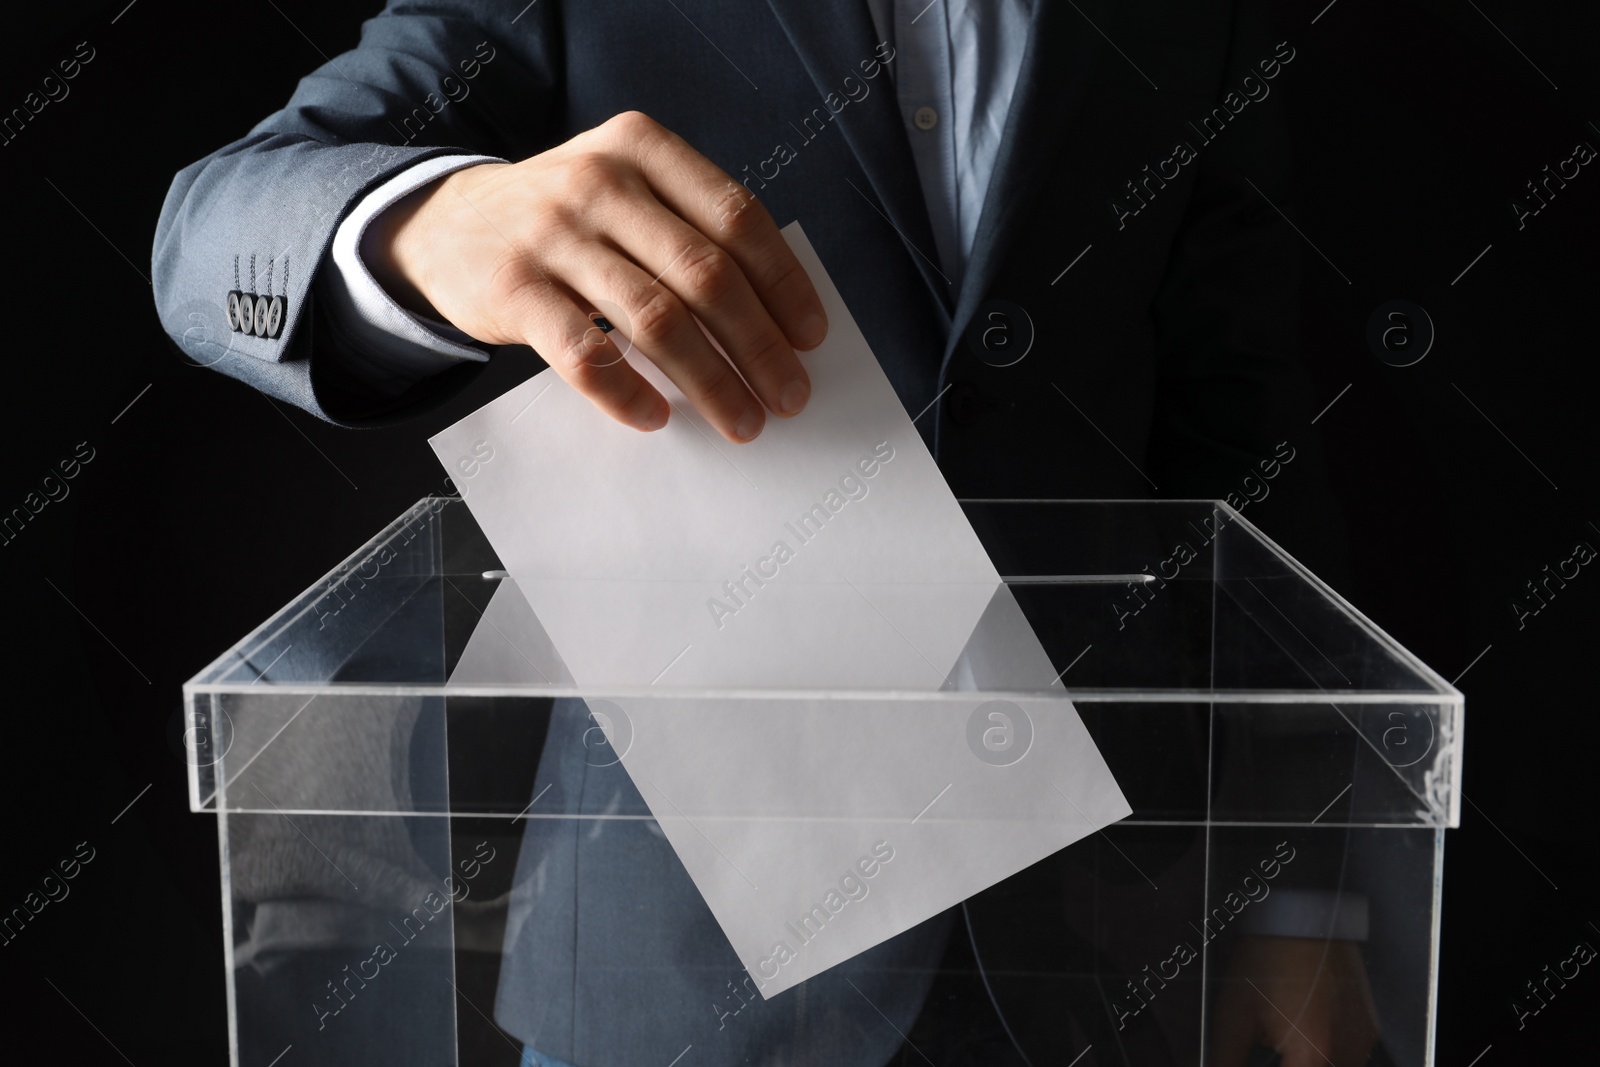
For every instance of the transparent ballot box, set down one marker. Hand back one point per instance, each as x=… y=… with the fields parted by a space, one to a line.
x=438 y=849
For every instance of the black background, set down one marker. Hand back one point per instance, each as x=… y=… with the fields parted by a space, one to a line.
x=206 y=506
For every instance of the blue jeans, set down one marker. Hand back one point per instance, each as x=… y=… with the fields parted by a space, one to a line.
x=531 y=1058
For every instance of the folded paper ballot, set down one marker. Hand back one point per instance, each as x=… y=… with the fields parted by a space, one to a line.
x=822 y=625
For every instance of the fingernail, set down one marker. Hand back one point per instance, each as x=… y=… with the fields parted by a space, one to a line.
x=794 y=396
x=812 y=330
x=749 y=424
x=655 y=420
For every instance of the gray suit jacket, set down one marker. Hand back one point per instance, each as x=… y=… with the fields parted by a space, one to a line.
x=1147 y=335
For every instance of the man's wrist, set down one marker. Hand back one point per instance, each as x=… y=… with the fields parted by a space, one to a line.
x=398 y=244
x=384 y=248
x=381 y=343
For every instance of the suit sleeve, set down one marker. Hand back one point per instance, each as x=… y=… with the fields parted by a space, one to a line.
x=259 y=216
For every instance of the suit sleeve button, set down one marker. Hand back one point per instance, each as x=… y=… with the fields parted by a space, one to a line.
x=275 y=311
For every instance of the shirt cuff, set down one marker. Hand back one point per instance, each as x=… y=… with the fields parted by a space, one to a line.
x=384 y=346
x=1322 y=914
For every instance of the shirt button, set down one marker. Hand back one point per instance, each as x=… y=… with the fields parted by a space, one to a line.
x=926 y=118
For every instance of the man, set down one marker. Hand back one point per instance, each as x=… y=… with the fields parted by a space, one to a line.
x=1051 y=222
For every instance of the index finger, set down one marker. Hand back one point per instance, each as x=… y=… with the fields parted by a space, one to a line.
x=704 y=196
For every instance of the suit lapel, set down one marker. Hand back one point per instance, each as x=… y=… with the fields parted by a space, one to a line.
x=1062 y=51
x=832 y=37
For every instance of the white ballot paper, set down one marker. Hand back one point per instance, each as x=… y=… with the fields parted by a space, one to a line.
x=824 y=628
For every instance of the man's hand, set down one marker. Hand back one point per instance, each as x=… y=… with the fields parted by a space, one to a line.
x=623 y=218
x=1305 y=998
